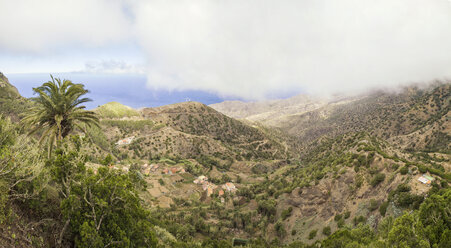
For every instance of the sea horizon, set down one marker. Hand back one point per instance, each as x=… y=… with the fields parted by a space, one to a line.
x=127 y=89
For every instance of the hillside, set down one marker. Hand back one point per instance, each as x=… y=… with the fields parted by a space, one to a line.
x=415 y=119
x=12 y=104
x=269 y=110
x=188 y=130
x=308 y=174
x=361 y=160
x=7 y=90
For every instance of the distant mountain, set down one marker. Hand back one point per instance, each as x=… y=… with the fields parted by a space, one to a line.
x=269 y=112
x=416 y=119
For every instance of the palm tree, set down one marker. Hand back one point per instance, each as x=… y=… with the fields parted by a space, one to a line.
x=58 y=111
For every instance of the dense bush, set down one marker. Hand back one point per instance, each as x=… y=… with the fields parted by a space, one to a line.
x=404 y=170
x=312 y=234
x=286 y=213
x=373 y=205
x=383 y=208
x=377 y=179
x=326 y=230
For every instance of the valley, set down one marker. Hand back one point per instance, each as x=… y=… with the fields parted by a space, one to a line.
x=297 y=172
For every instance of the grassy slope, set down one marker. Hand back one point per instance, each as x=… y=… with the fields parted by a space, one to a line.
x=115 y=110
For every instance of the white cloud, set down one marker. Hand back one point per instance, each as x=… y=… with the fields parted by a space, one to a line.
x=113 y=66
x=48 y=25
x=244 y=48
x=251 y=48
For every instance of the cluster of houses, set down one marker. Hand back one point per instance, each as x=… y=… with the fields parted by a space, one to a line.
x=210 y=187
x=125 y=141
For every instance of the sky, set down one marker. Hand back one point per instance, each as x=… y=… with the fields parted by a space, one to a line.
x=244 y=49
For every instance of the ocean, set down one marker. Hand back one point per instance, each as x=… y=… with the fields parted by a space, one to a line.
x=130 y=90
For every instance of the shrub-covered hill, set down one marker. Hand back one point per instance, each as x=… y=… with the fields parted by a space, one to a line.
x=12 y=104
x=116 y=110
x=7 y=90
x=342 y=182
x=198 y=120
x=416 y=119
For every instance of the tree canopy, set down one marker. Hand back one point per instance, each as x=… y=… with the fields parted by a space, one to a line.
x=58 y=110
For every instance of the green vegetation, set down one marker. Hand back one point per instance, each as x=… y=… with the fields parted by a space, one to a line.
x=127 y=126
x=312 y=234
x=58 y=111
x=377 y=179
x=326 y=230
x=79 y=197
x=115 y=110
x=101 y=208
x=427 y=227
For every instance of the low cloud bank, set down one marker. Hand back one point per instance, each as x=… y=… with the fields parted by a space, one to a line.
x=249 y=48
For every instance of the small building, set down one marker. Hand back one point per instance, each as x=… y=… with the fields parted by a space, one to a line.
x=154 y=167
x=209 y=191
x=426 y=179
x=230 y=187
x=125 y=141
x=201 y=179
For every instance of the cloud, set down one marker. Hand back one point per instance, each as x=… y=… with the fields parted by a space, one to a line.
x=252 y=48
x=113 y=66
x=29 y=26
x=244 y=48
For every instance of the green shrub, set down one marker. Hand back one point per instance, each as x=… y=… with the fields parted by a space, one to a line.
x=358 y=220
x=280 y=230
x=341 y=223
x=286 y=213
x=312 y=234
x=383 y=208
x=326 y=230
x=3 y=200
x=404 y=170
x=373 y=205
x=422 y=168
x=377 y=179
x=347 y=214
x=107 y=160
